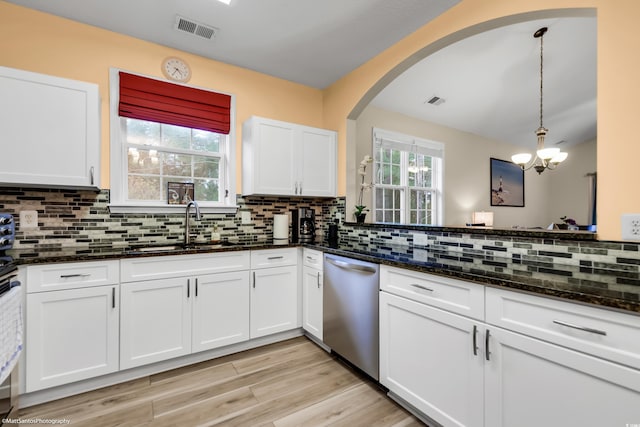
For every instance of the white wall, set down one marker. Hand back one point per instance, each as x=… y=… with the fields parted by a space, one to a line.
x=466 y=177
x=569 y=191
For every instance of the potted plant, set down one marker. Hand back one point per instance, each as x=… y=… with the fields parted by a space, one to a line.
x=361 y=210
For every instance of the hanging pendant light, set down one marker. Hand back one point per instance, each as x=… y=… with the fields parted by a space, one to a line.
x=546 y=158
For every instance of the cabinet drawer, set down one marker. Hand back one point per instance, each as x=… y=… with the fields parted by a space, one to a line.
x=52 y=277
x=454 y=295
x=163 y=267
x=604 y=333
x=312 y=258
x=274 y=257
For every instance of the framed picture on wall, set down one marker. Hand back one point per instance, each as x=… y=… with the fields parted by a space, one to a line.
x=507 y=184
x=179 y=193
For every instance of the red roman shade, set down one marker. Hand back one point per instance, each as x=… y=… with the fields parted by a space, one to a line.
x=157 y=101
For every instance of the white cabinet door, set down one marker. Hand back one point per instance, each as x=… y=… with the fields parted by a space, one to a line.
x=71 y=335
x=274 y=300
x=155 y=322
x=220 y=310
x=312 y=289
x=427 y=358
x=531 y=383
x=318 y=163
x=51 y=130
x=269 y=157
x=281 y=158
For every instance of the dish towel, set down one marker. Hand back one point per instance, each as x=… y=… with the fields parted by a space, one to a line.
x=10 y=330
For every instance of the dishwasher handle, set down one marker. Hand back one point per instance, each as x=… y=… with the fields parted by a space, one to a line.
x=350 y=266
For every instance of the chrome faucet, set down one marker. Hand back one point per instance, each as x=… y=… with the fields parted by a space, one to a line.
x=187 y=227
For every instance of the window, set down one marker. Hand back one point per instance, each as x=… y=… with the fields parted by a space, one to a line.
x=157 y=139
x=407 y=178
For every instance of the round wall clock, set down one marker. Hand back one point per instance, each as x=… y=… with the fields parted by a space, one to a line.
x=176 y=69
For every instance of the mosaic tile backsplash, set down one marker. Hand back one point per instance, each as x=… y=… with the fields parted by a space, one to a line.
x=82 y=218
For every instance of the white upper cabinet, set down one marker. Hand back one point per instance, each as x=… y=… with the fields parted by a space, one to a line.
x=50 y=131
x=280 y=158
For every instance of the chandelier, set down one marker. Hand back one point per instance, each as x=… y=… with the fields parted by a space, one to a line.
x=546 y=158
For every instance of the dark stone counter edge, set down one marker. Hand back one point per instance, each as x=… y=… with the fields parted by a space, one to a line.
x=628 y=307
x=93 y=254
x=504 y=232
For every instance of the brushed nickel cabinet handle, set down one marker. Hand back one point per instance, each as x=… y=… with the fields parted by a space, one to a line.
x=271 y=258
x=424 y=288
x=487 y=353
x=475 y=340
x=254 y=280
x=113 y=297
x=196 y=287
x=91 y=172
x=580 y=328
x=188 y=287
x=70 y=276
x=318 y=280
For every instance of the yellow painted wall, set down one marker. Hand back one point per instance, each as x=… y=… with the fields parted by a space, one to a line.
x=43 y=43
x=618 y=87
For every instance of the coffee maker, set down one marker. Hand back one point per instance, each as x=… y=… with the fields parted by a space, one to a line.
x=303 y=228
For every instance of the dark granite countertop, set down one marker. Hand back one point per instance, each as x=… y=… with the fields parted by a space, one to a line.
x=612 y=289
x=609 y=288
x=92 y=253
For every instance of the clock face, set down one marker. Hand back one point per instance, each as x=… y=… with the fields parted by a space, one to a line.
x=176 y=69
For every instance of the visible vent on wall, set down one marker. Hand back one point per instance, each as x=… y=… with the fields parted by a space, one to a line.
x=435 y=100
x=192 y=27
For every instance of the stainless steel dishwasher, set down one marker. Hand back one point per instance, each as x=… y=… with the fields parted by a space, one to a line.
x=351 y=292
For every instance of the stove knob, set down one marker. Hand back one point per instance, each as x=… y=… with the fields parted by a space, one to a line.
x=4 y=241
x=5 y=220
x=4 y=231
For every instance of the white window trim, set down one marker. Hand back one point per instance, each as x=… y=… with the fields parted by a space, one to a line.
x=403 y=140
x=118 y=160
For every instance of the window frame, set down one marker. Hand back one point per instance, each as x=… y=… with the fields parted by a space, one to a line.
x=437 y=178
x=118 y=161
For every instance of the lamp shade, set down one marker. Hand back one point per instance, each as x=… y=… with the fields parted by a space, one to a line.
x=482 y=217
x=560 y=157
x=521 y=158
x=548 y=153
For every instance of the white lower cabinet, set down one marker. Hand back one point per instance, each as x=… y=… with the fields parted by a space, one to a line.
x=427 y=359
x=71 y=335
x=274 y=300
x=156 y=321
x=220 y=310
x=167 y=318
x=460 y=371
x=179 y=314
x=532 y=383
x=312 y=290
x=274 y=291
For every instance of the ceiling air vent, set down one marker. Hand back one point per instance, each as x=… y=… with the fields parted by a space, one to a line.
x=192 y=27
x=435 y=100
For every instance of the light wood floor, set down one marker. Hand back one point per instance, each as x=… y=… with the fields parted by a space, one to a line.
x=292 y=383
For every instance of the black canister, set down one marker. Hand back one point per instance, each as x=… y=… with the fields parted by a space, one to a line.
x=332 y=235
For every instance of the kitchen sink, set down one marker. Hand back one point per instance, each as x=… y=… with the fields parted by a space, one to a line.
x=179 y=247
x=165 y=248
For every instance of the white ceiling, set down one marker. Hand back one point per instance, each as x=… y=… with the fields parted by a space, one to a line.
x=313 y=42
x=490 y=81
x=491 y=84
